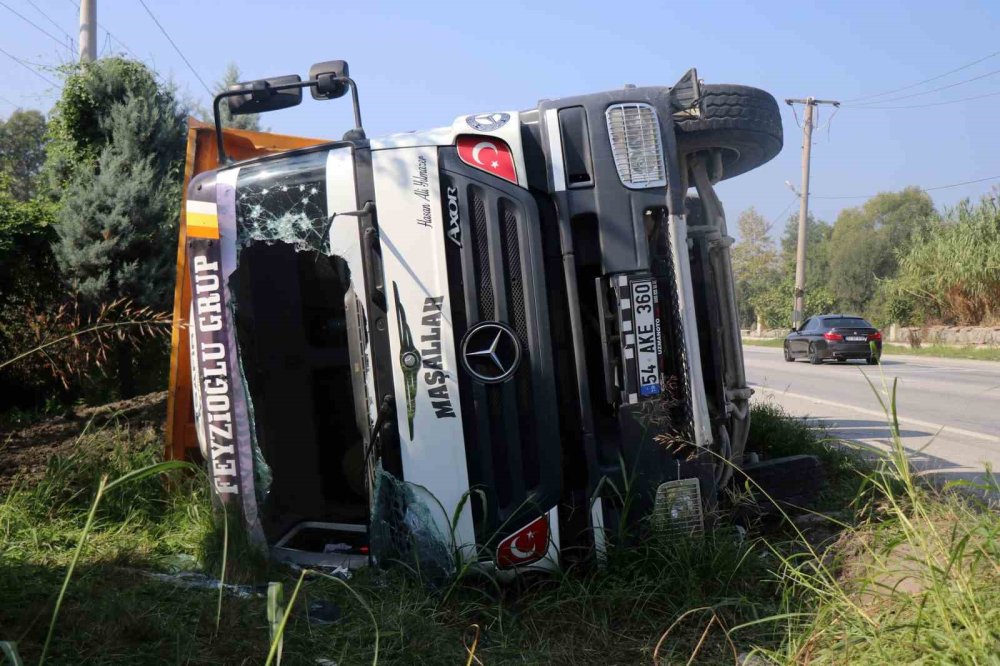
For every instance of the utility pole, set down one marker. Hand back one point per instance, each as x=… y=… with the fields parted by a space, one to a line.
x=88 y=30
x=800 y=253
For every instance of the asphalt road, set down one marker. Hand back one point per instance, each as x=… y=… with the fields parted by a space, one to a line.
x=949 y=409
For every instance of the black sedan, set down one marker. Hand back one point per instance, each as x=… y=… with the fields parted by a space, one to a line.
x=837 y=337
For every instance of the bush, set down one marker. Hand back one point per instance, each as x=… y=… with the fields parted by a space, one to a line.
x=951 y=273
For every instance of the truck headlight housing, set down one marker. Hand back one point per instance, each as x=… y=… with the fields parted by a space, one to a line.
x=635 y=143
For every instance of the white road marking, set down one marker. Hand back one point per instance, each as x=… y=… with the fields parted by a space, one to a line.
x=937 y=427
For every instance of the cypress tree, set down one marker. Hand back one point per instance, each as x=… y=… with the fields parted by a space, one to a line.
x=118 y=139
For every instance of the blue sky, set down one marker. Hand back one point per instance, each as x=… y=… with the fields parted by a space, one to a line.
x=420 y=64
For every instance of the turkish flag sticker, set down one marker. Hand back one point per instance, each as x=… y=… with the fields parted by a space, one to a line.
x=527 y=545
x=488 y=154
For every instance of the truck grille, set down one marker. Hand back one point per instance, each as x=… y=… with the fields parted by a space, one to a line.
x=512 y=442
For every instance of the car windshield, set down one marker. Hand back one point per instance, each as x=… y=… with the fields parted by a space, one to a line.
x=848 y=322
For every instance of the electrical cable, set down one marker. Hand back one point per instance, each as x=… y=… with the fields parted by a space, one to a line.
x=934 y=90
x=49 y=19
x=176 y=48
x=920 y=83
x=923 y=189
x=774 y=220
x=923 y=106
x=36 y=26
x=28 y=67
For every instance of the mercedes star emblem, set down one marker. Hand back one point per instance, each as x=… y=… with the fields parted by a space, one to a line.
x=491 y=352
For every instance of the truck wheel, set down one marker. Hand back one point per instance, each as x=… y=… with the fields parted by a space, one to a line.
x=744 y=122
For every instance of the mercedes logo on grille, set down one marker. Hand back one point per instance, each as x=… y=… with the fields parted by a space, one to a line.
x=491 y=352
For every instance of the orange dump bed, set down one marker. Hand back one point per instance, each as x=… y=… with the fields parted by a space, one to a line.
x=203 y=155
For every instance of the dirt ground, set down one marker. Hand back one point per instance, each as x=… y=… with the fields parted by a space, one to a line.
x=25 y=451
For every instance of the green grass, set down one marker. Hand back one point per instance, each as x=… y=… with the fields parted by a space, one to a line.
x=938 y=351
x=944 y=351
x=774 y=592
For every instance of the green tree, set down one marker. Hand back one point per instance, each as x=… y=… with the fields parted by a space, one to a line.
x=121 y=189
x=867 y=241
x=118 y=148
x=22 y=152
x=755 y=262
x=79 y=126
x=29 y=287
x=248 y=122
x=773 y=304
x=818 y=235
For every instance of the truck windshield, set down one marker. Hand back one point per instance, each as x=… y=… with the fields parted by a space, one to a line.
x=292 y=298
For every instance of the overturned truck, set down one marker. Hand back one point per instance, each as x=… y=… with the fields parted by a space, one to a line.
x=501 y=341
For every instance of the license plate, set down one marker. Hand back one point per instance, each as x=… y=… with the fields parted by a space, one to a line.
x=642 y=342
x=857 y=338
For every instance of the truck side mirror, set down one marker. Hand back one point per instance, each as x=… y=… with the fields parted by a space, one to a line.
x=265 y=95
x=331 y=79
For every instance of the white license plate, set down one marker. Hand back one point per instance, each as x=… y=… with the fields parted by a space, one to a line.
x=856 y=338
x=647 y=336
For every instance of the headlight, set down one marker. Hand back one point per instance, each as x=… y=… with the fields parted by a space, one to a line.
x=636 y=145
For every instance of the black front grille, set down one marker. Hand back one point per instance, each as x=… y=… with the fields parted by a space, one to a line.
x=512 y=439
x=481 y=243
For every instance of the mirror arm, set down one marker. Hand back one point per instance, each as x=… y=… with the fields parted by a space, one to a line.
x=357 y=105
x=217 y=110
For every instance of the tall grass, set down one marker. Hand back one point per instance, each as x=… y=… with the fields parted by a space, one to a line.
x=952 y=273
x=914 y=576
x=917 y=580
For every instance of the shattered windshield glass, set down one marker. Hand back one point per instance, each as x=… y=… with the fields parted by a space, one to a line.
x=284 y=201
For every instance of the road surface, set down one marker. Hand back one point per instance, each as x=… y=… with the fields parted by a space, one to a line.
x=949 y=409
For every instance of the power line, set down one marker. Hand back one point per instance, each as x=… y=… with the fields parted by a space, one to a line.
x=49 y=19
x=924 y=189
x=934 y=90
x=777 y=217
x=920 y=83
x=28 y=67
x=176 y=48
x=923 y=106
x=35 y=25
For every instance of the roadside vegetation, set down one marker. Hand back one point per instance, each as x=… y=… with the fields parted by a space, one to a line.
x=973 y=353
x=894 y=259
x=883 y=568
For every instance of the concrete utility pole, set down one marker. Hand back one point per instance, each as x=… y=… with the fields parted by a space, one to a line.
x=88 y=30
x=800 y=254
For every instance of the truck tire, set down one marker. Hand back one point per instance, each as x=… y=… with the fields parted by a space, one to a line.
x=743 y=122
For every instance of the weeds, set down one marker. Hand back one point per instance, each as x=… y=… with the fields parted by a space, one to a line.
x=913 y=576
x=66 y=342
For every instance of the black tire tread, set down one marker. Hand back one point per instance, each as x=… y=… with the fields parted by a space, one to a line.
x=742 y=119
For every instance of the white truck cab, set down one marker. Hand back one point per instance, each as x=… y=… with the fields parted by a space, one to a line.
x=467 y=343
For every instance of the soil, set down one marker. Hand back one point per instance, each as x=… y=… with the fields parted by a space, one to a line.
x=25 y=452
